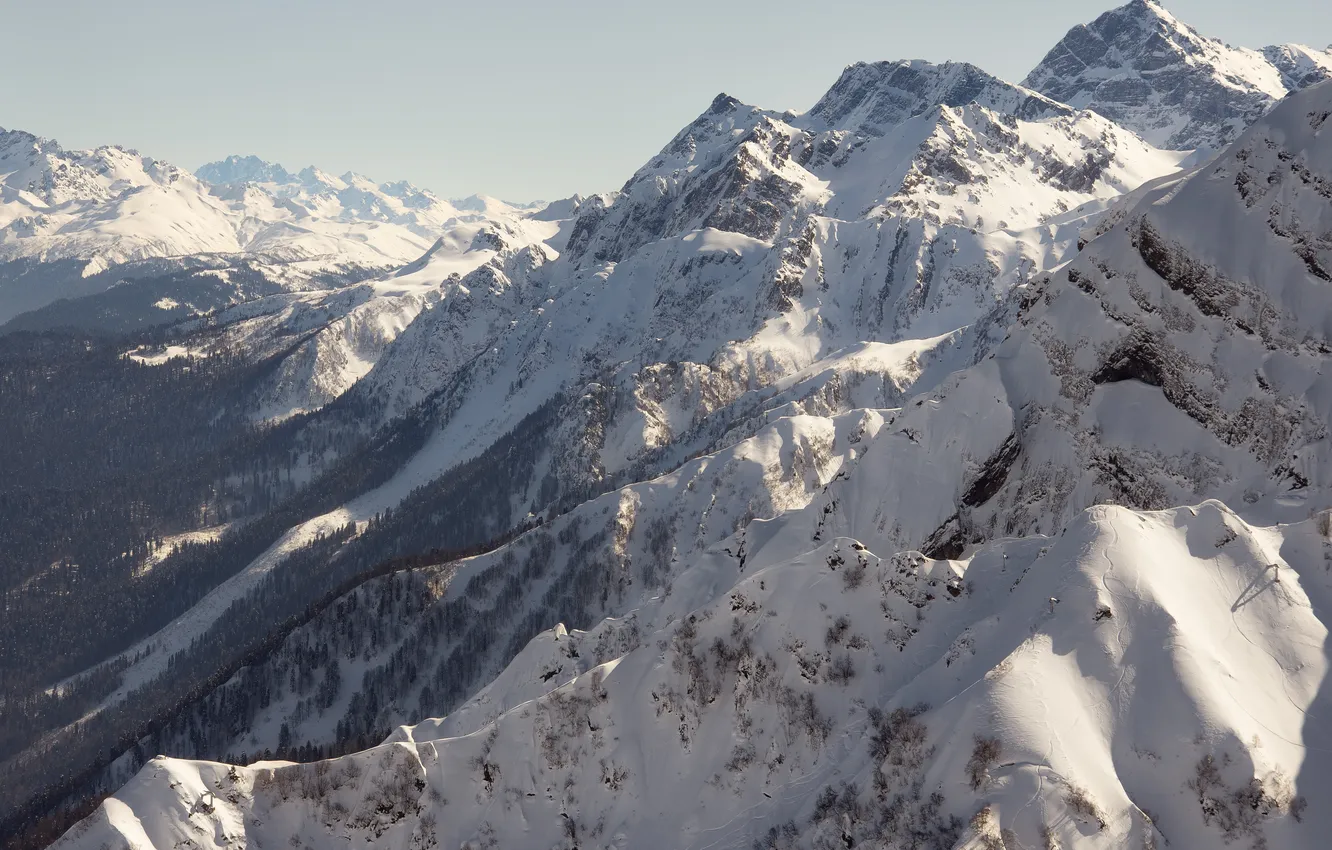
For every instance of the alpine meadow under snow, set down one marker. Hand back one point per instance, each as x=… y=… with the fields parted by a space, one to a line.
x=945 y=466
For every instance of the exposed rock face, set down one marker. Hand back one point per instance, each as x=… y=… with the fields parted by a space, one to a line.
x=1143 y=68
x=871 y=98
x=755 y=244
x=1218 y=346
x=1300 y=66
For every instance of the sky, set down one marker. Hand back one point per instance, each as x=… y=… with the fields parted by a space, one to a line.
x=519 y=99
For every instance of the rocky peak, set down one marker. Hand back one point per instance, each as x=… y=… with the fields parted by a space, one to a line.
x=14 y=141
x=722 y=104
x=319 y=181
x=872 y=97
x=243 y=169
x=1142 y=67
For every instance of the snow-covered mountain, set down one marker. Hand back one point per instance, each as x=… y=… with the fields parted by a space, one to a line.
x=756 y=243
x=294 y=212
x=344 y=332
x=77 y=223
x=1143 y=68
x=810 y=439
x=1118 y=676
x=764 y=264
x=66 y=217
x=110 y=205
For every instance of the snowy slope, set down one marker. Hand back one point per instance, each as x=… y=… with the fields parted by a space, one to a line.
x=346 y=331
x=627 y=544
x=1145 y=69
x=793 y=688
x=782 y=713
x=1162 y=365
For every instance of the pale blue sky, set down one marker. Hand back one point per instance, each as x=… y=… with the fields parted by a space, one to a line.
x=519 y=99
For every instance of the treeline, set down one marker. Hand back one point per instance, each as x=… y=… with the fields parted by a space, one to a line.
x=472 y=503
x=252 y=473
x=104 y=457
x=155 y=713
x=153 y=451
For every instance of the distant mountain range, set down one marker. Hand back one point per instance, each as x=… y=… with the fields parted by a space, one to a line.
x=75 y=223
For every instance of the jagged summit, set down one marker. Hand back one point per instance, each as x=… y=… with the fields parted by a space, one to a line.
x=15 y=137
x=939 y=143
x=60 y=204
x=875 y=96
x=68 y=217
x=359 y=196
x=723 y=103
x=243 y=169
x=252 y=169
x=1143 y=68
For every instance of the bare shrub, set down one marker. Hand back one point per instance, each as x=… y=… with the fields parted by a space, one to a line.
x=779 y=838
x=837 y=631
x=742 y=756
x=987 y=829
x=854 y=575
x=983 y=757
x=1240 y=812
x=898 y=745
x=842 y=670
x=1081 y=803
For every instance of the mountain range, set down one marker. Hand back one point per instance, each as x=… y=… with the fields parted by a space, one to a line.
x=75 y=224
x=945 y=466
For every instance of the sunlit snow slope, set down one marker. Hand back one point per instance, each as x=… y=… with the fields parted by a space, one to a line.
x=837 y=697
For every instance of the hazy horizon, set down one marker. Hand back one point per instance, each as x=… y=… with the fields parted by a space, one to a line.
x=525 y=103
